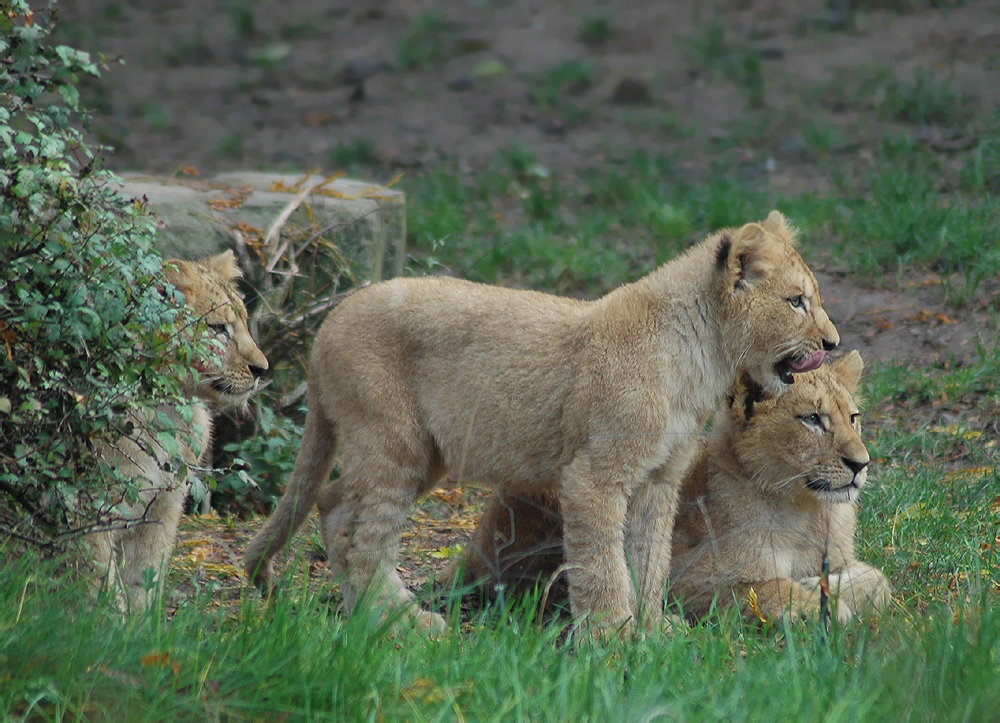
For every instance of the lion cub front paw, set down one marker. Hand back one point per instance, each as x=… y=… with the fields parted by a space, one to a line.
x=809 y=605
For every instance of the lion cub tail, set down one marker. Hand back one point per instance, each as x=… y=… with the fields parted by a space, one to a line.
x=312 y=468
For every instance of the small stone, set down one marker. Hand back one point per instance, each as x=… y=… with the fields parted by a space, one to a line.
x=462 y=82
x=631 y=91
x=471 y=45
x=552 y=126
x=358 y=71
x=770 y=53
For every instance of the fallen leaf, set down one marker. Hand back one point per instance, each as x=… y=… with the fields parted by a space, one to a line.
x=318 y=119
x=488 y=69
x=955 y=431
x=444 y=553
x=423 y=688
x=970 y=473
x=883 y=324
x=161 y=660
x=452 y=496
x=911 y=511
x=234 y=200
x=754 y=606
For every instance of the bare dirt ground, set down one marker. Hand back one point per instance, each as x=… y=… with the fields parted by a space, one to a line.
x=278 y=84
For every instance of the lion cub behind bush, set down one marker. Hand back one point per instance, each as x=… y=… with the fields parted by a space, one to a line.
x=598 y=402
x=773 y=489
x=120 y=557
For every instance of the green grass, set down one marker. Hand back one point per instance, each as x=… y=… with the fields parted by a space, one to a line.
x=231 y=145
x=352 y=153
x=423 y=45
x=923 y=98
x=712 y=51
x=912 y=208
x=934 y=660
x=935 y=656
x=156 y=116
x=243 y=18
x=556 y=89
x=595 y=28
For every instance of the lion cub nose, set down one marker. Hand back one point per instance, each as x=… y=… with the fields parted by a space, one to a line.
x=257 y=371
x=829 y=345
x=855 y=465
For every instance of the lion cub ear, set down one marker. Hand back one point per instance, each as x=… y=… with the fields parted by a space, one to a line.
x=224 y=264
x=749 y=258
x=849 y=368
x=777 y=224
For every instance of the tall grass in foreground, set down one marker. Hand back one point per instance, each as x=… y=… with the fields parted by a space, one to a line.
x=63 y=660
x=935 y=656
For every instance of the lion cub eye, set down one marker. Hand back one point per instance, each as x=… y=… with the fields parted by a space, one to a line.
x=797 y=302
x=219 y=330
x=813 y=420
x=855 y=419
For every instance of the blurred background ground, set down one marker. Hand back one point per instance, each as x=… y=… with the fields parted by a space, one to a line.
x=766 y=86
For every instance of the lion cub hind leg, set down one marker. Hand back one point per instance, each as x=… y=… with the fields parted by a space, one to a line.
x=516 y=546
x=362 y=517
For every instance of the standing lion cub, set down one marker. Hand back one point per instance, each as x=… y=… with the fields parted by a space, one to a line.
x=599 y=402
x=121 y=557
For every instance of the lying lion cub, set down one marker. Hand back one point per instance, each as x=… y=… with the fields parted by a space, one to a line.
x=121 y=557
x=774 y=488
x=598 y=401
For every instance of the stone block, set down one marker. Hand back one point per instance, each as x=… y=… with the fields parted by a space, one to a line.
x=366 y=222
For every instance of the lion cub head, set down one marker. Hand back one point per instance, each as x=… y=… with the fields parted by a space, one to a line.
x=808 y=440
x=775 y=315
x=233 y=374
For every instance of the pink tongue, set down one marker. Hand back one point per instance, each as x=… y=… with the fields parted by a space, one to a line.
x=811 y=362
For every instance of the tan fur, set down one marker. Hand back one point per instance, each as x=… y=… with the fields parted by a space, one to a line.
x=748 y=517
x=595 y=402
x=120 y=557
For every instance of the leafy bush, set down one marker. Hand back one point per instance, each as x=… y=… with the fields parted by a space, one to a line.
x=264 y=460
x=85 y=329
